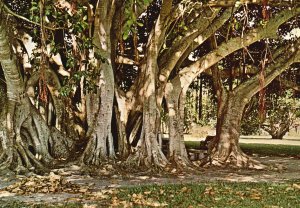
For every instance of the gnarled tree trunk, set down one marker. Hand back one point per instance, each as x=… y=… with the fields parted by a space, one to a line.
x=277 y=131
x=226 y=149
x=99 y=105
x=231 y=106
x=25 y=144
x=148 y=151
x=175 y=98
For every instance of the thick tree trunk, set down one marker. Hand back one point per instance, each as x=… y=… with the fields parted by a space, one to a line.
x=99 y=114
x=148 y=151
x=3 y=103
x=15 y=155
x=25 y=144
x=225 y=148
x=277 y=132
x=121 y=116
x=175 y=97
x=100 y=104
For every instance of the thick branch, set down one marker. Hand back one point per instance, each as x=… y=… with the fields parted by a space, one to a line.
x=214 y=26
x=289 y=84
x=230 y=3
x=169 y=58
x=283 y=62
x=189 y=73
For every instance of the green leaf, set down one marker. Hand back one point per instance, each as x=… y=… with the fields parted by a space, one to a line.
x=126 y=34
x=140 y=24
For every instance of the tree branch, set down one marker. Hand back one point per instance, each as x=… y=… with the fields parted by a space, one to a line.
x=186 y=45
x=230 y=3
x=289 y=84
x=124 y=60
x=10 y=12
x=283 y=62
x=189 y=73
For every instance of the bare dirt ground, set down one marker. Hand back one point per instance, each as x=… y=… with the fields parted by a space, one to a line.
x=279 y=170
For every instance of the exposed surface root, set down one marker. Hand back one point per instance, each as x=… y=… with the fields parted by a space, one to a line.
x=90 y=155
x=138 y=159
x=181 y=162
x=21 y=160
x=238 y=160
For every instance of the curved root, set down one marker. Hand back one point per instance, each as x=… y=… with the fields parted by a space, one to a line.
x=236 y=159
x=181 y=162
x=138 y=159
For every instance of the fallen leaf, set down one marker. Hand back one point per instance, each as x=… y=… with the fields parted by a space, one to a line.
x=184 y=189
x=296 y=186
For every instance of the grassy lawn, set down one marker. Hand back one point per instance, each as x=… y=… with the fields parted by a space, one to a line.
x=271 y=149
x=213 y=195
x=218 y=194
x=261 y=149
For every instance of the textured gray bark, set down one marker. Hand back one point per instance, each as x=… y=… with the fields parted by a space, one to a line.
x=25 y=144
x=231 y=106
x=175 y=98
x=99 y=105
x=148 y=152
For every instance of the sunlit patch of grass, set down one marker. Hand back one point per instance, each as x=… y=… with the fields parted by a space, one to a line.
x=271 y=149
x=215 y=194
x=212 y=195
x=261 y=149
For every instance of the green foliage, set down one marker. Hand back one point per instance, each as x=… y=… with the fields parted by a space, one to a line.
x=250 y=124
x=281 y=109
x=75 y=27
x=131 y=19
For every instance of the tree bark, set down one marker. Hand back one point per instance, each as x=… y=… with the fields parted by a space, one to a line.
x=25 y=143
x=226 y=148
x=231 y=105
x=175 y=98
x=148 y=152
x=100 y=104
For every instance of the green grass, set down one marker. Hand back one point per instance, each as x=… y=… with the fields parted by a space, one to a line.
x=261 y=149
x=271 y=149
x=217 y=194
